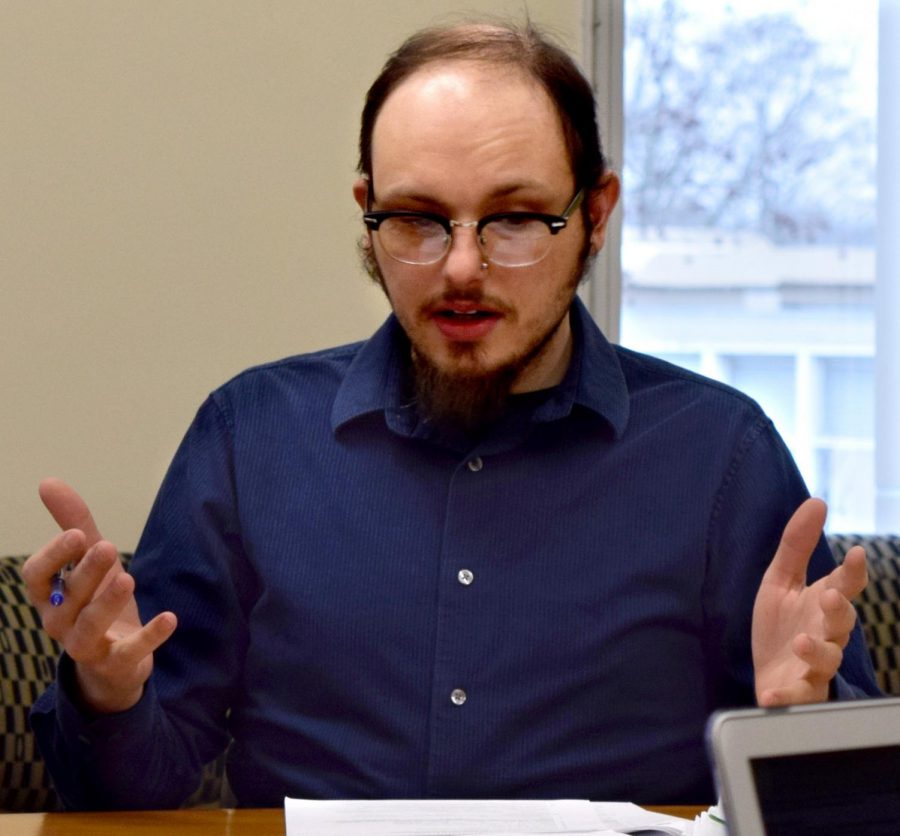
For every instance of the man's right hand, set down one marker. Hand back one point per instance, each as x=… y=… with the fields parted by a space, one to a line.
x=98 y=623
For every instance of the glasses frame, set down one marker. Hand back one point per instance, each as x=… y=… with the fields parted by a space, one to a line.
x=555 y=224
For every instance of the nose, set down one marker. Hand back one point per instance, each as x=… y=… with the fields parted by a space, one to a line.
x=462 y=264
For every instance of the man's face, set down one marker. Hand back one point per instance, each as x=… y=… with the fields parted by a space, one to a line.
x=467 y=140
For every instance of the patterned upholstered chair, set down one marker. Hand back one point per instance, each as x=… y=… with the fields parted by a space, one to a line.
x=879 y=605
x=27 y=665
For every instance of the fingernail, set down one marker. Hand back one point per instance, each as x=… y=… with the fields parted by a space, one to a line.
x=70 y=539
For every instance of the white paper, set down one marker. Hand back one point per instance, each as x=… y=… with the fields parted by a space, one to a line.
x=710 y=823
x=438 y=818
x=625 y=817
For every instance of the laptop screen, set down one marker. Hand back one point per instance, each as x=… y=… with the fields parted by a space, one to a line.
x=852 y=791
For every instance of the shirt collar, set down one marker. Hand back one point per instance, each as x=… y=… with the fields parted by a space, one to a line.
x=375 y=379
x=594 y=379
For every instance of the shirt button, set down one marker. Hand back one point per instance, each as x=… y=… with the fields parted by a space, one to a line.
x=465 y=577
x=457 y=696
x=475 y=464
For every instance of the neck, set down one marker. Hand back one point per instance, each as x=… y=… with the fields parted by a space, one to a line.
x=550 y=362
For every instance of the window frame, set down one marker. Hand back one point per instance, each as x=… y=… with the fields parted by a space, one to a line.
x=603 y=57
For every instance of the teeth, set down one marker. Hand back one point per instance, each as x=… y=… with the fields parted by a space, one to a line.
x=449 y=313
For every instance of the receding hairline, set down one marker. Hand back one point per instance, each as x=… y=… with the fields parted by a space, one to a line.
x=532 y=52
x=513 y=71
x=484 y=40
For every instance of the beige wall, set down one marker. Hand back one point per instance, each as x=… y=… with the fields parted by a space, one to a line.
x=174 y=206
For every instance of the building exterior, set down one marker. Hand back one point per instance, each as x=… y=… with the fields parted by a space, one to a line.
x=792 y=326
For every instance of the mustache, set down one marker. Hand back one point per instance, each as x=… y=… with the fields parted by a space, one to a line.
x=473 y=296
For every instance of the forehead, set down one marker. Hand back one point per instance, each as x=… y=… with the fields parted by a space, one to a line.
x=466 y=129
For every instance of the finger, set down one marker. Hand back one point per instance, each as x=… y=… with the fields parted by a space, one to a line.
x=822 y=658
x=132 y=648
x=68 y=508
x=91 y=574
x=87 y=640
x=852 y=576
x=38 y=571
x=839 y=617
x=773 y=697
x=800 y=537
x=797 y=694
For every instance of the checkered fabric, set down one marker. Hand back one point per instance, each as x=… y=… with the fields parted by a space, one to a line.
x=879 y=605
x=27 y=665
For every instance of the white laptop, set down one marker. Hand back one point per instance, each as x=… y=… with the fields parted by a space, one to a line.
x=831 y=769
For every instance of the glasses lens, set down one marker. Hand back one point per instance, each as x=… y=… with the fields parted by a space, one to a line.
x=515 y=241
x=413 y=240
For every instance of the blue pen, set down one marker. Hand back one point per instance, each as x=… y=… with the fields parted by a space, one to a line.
x=57 y=585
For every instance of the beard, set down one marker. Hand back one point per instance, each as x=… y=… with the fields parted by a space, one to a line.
x=469 y=397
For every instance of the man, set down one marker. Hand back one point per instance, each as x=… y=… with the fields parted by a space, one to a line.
x=482 y=554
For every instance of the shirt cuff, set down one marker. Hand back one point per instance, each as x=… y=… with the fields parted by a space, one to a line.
x=83 y=728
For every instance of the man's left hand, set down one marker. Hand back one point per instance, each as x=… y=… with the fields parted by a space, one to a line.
x=799 y=631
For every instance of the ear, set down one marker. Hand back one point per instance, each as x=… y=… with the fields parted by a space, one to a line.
x=601 y=202
x=361 y=192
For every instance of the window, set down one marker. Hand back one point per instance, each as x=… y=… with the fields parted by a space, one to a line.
x=749 y=235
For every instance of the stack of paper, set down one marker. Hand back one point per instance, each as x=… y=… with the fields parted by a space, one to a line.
x=474 y=818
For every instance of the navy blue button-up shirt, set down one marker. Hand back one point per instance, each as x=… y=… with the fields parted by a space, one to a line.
x=367 y=610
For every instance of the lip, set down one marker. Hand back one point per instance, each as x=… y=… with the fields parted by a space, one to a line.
x=465 y=322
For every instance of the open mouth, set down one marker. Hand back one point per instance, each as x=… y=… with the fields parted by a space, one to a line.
x=465 y=323
x=465 y=315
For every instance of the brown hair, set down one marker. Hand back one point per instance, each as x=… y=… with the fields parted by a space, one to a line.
x=523 y=47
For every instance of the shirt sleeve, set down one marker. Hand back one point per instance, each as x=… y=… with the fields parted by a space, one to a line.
x=189 y=561
x=761 y=489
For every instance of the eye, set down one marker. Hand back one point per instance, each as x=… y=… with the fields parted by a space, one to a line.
x=516 y=225
x=414 y=226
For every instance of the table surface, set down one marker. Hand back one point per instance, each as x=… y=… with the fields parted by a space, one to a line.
x=243 y=822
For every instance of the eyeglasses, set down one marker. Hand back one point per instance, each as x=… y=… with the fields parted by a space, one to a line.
x=507 y=239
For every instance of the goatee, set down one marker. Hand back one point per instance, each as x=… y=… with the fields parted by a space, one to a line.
x=463 y=402
x=470 y=398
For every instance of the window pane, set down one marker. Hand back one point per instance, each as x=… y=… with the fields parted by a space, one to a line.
x=749 y=216
x=770 y=380
x=845 y=479
x=847 y=407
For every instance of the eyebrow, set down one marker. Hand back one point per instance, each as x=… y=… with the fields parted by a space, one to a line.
x=416 y=196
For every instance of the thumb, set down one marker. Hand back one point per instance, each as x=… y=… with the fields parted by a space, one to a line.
x=798 y=542
x=68 y=509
